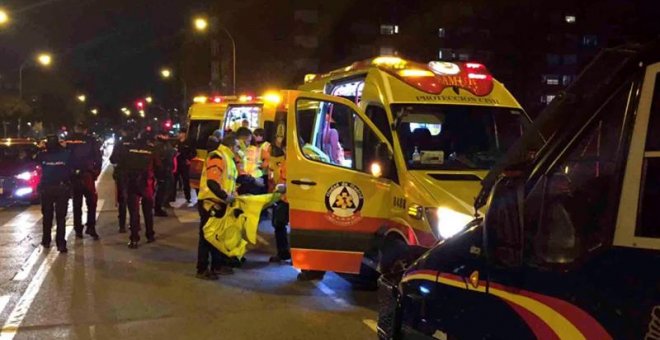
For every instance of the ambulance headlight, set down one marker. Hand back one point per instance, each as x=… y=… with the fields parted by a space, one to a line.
x=447 y=222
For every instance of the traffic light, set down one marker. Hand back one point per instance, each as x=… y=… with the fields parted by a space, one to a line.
x=139 y=104
x=167 y=124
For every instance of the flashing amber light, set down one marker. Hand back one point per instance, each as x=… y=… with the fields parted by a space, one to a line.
x=310 y=77
x=416 y=73
x=389 y=61
x=217 y=100
x=245 y=98
x=200 y=99
x=272 y=98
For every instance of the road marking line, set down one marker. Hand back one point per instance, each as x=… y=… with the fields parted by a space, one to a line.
x=27 y=217
x=3 y=302
x=17 y=315
x=373 y=325
x=27 y=266
x=329 y=292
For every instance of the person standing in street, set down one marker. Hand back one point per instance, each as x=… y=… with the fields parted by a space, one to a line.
x=184 y=156
x=137 y=163
x=281 y=209
x=217 y=190
x=55 y=190
x=164 y=172
x=86 y=162
x=121 y=148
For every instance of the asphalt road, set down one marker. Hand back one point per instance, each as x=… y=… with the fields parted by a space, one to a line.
x=103 y=290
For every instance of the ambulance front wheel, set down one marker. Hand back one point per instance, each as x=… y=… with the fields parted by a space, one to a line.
x=393 y=255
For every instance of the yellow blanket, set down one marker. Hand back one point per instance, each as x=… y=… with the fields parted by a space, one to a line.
x=231 y=233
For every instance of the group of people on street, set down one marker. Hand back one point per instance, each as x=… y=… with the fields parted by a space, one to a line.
x=145 y=172
x=69 y=169
x=147 y=169
x=238 y=163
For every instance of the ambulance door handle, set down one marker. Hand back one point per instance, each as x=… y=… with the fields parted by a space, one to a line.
x=300 y=182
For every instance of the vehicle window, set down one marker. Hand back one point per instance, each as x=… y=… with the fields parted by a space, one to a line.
x=17 y=153
x=326 y=132
x=200 y=130
x=456 y=137
x=647 y=225
x=378 y=116
x=579 y=199
x=243 y=116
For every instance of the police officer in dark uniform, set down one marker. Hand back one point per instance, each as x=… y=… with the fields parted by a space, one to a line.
x=165 y=153
x=137 y=162
x=186 y=152
x=126 y=139
x=86 y=161
x=54 y=189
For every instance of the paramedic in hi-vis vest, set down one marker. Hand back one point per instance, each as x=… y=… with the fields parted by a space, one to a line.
x=217 y=189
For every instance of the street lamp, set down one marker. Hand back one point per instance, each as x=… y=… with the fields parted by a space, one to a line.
x=82 y=98
x=94 y=111
x=4 y=17
x=201 y=25
x=149 y=100
x=166 y=73
x=43 y=59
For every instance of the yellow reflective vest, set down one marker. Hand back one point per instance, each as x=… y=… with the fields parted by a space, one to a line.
x=228 y=178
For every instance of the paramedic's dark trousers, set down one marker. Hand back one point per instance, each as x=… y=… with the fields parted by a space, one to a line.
x=206 y=249
x=280 y=221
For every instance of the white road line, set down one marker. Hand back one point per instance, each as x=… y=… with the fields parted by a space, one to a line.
x=27 y=217
x=329 y=292
x=27 y=266
x=373 y=325
x=3 y=302
x=15 y=319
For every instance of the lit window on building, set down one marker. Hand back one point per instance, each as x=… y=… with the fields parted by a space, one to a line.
x=389 y=29
x=590 y=40
x=441 y=32
x=387 y=50
x=440 y=54
x=570 y=19
x=551 y=79
x=570 y=59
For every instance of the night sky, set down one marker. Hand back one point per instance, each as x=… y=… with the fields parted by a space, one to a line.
x=110 y=49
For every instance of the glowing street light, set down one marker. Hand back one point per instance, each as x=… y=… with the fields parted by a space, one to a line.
x=201 y=24
x=127 y=112
x=166 y=73
x=4 y=17
x=44 y=59
x=149 y=100
x=82 y=98
x=94 y=111
x=142 y=114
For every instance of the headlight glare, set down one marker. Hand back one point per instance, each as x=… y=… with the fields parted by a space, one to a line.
x=447 y=222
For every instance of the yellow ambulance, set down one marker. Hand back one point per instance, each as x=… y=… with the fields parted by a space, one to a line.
x=228 y=113
x=394 y=154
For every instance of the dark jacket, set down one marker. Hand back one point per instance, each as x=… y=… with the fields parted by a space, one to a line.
x=85 y=154
x=135 y=159
x=165 y=154
x=55 y=166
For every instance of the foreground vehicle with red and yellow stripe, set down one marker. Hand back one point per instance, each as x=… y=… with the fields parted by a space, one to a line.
x=569 y=247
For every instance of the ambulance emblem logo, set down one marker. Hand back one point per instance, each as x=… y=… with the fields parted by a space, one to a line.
x=344 y=202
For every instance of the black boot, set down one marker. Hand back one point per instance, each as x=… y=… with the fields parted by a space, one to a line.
x=62 y=248
x=79 y=231
x=122 y=230
x=133 y=244
x=91 y=231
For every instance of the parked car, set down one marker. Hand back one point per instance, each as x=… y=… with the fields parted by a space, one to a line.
x=19 y=173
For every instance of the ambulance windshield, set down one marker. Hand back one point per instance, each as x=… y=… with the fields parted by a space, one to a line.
x=456 y=137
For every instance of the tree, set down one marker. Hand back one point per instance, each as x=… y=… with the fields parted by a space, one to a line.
x=13 y=109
